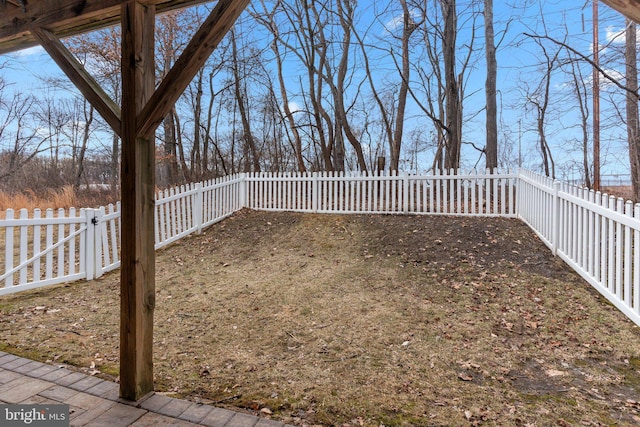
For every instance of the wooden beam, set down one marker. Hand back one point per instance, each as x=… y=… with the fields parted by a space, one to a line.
x=87 y=85
x=57 y=13
x=66 y=18
x=192 y=59
x=629 y=8
x=137 y=270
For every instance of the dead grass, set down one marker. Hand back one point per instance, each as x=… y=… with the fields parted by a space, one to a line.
x=624 y=191
x=65 y=198
x=360 y=320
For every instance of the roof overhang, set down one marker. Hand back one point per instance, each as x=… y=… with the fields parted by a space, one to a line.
x=64 y=18
x=629 y=8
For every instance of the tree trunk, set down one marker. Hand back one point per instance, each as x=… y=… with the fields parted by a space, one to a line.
x=85 y=141
x=197 y=114
x=491 y=150
x=407 y=29
x=633 y=128
x=297 y=140
x=115 y=164
x=170 y=159
x=452 y=154
x=250 y=146
x=169 y=162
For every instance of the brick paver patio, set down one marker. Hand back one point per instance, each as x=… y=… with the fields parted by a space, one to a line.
x=95 y=402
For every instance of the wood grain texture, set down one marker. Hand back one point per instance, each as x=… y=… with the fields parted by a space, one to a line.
x=629 y=8
x=194 y=56
x=137 y=270
x=74 y=70
x=65 y=18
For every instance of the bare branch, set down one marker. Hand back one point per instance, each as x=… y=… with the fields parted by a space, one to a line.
x=584 y=58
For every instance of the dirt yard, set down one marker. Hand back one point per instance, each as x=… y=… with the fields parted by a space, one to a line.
x=360 y=320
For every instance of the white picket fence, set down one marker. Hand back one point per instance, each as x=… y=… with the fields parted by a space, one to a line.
x=446 y=194
x=597 y=235
x=64 y=246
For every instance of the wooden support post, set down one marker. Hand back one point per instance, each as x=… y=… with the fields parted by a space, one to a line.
x=137 y=271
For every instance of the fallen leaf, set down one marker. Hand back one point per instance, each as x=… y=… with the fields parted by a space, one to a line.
x=555 y=373
x=532 y=325
x=465 y=377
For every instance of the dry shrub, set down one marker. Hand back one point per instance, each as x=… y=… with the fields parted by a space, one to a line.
x=90 y=198
x=626 y=192
x=64 y=197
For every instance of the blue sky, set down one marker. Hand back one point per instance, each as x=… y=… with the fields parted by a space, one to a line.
x=518 y=61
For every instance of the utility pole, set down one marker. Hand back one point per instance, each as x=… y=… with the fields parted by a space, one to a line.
x=596 y=101
x=519 y=143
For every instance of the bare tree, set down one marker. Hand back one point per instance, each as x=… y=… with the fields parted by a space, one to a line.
x=312 y=55
x=443 y=84
x=633 y=128
x=267 y=19
x=491 y=150
x=582 y=94
x=409 y=25
x=453 y=106
x=345 y=12
x=171 y=37
x=540 y=100
x=100 y=51
x=250 y=151
x=20 y=137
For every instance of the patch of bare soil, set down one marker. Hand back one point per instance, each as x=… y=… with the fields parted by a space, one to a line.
x=360 y=320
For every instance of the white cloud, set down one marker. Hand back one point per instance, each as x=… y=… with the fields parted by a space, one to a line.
x=614 y=74
x=294 y=107
x=614 y=35
x=604 y=81
x=31 y=51
x=397 y=21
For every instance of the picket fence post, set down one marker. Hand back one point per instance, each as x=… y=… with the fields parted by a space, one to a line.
x=405 y=192
x=244 y=183
x=519 y=189
x=314 y=192
x=8 y=255
x=555 y=227
x=197 y=208
x=91 y=245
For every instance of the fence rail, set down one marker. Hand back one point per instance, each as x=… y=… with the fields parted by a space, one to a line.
x=597 y=235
